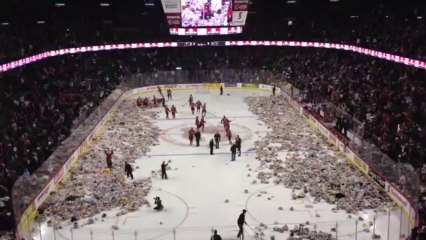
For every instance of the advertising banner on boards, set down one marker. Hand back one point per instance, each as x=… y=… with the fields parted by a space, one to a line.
x=377 y=178
x=212 y=85
x=250 y=85
x=231 y=84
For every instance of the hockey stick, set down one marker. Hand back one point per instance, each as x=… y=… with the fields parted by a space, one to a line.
x=257 y=234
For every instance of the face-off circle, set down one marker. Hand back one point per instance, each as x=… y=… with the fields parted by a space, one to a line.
x=178 y=134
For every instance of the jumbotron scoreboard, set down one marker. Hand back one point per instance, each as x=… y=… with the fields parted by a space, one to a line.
x=205 y=17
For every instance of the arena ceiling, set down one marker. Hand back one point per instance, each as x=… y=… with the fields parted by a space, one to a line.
x=140 y=13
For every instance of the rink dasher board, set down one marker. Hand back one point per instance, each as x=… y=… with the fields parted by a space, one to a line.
x=350 y=157
x=132 y=95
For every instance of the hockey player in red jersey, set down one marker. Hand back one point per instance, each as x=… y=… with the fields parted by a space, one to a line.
x=192 y=104
x=201 y=124
x=204 y=111
x=174 y=111
x=198 y=104
x=229 y=135
x=191 y=134
x=145 y=102
x=225 y=121
x=139 y=102
x=109 y=154
x=167 y=111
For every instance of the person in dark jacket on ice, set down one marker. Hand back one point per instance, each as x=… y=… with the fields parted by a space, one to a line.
x=241 y=221
x=233 y=152
x=238 y=144
x=128 y=169
x=211 y=145
x=197 y=137
x=163 y=170
x=215 y=236
x=217 y=140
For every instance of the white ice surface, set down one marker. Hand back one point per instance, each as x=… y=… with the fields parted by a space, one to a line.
x=194 y=195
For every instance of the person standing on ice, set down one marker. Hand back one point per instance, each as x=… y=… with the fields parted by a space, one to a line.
x=167 y=110
x=192 y=107
x=174 y=111
x=169 y=94
x=233 y=152
x=129 y=170
x=191 y=99
x=197 y=137
x=204 y=111
x=163 y=170
x=273 y=90
x=198 y=104
x=191 y=134
x=211 y=145
x=109 y=154
x=159 y=90
x=238 y=144
x=139 y=102
x=201 y=124
x=241 y=221
x=197 y=121
x=217 y=140
x=221 y=89
x=145 y=102
x=225 y=121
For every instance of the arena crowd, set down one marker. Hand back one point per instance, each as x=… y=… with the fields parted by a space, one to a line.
x=41 y=103
x=44 y=101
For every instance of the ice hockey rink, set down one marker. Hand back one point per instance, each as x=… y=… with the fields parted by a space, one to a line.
x=206 y=192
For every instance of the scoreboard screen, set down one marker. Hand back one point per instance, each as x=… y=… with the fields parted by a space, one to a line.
x=205 y=17
x=206 y=13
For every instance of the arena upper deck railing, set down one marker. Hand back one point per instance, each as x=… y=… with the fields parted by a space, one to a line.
x=356 y=49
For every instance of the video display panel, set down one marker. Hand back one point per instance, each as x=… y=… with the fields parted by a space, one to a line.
x=207 y=13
